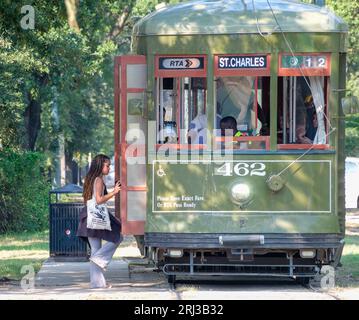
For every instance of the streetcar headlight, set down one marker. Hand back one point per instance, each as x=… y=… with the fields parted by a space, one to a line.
x=307 y=253
x=240 y=192
x=175 y=253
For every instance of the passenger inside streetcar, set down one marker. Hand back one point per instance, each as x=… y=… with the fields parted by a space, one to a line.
x=240 y=98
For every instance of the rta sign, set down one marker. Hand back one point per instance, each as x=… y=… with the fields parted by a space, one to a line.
x=28 y=20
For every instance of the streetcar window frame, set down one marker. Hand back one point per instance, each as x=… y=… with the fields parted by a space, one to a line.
x=303 y=66
x=258 y=102
x=289 y=110
x=189 y=98
x=255 y=132
x=256 y=65
x=177 y=67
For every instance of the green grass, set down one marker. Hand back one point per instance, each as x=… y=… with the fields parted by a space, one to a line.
x=348 y=273
x=22 y=249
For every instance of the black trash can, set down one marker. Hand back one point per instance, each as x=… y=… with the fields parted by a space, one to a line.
x=65 y=207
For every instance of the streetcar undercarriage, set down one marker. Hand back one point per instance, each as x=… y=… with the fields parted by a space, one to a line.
x=300 y=259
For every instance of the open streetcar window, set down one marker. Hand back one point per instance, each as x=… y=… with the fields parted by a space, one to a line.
x=181 y=110
x=242 y=99
x=243 y=111
x=167 y=125
x=302 y=111
x=302 y=100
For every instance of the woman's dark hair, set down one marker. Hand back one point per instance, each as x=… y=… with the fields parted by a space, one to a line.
x=95 y=171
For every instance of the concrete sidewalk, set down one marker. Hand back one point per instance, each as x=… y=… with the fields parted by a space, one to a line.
x=70 y=280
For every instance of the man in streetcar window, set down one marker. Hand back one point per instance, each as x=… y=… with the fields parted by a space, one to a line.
x=301 y=123
x=233 y=93
x=307 y=123
x=228 y=126
x=236 y=96
x=312 y=120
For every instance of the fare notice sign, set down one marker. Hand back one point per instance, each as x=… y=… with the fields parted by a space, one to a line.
x=242 y=64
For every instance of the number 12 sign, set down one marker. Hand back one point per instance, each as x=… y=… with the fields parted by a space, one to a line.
x=304 y=64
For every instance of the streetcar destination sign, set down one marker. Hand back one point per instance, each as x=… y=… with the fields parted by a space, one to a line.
x=180 y=63
x=242 y=62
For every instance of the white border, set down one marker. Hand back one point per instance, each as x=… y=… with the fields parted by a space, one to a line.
x=238 y=211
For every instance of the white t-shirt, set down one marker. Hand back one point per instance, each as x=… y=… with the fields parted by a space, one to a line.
x=197 y=131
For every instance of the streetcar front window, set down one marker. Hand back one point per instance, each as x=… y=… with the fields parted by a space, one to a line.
x=302 y=111
x=243 y=111
x=242 y=98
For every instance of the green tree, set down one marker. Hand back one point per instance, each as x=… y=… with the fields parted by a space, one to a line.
x=54 y=66
x=63 y=67
x=349 y=11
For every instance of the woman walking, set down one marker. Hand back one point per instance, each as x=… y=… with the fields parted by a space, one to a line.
x=100 y=255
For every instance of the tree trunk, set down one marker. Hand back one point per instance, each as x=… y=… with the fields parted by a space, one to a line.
x=32 y=119
x=121 y=21
x=71 y=9
x=75 y=172
x=71 y=167
x=32 y=114
x=62 y=159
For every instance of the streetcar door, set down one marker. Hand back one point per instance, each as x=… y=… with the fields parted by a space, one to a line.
x=130 y=130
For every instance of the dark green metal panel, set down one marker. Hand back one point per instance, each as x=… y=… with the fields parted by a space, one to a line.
x=193 y=198
x=189 y=187
x=260 y=223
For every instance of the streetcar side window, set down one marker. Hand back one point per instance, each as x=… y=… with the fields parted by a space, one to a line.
x=181 y=110
x=302 y=110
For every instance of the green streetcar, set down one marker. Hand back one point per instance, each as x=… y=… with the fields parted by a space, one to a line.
x=229 y=138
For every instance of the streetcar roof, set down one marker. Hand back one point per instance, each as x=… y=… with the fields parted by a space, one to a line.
x=239 y=16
